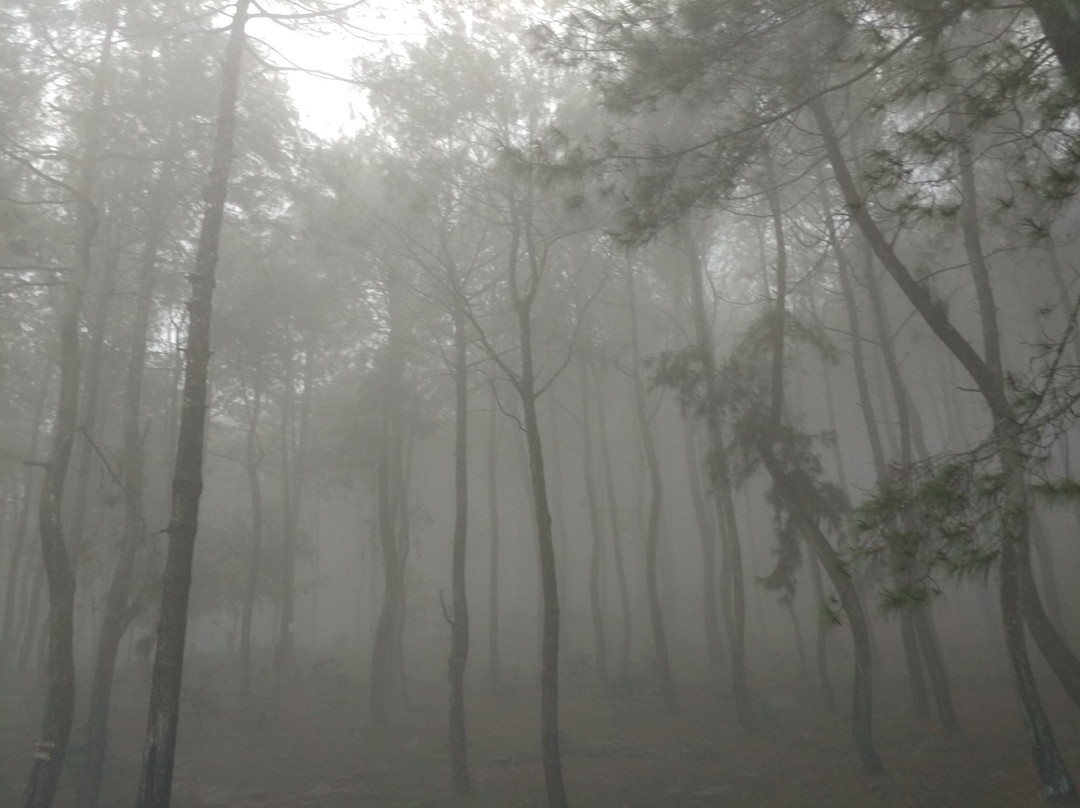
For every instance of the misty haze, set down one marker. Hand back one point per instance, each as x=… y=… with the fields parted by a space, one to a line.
x=478 y=404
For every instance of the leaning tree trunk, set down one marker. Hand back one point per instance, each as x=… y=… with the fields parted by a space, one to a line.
x=1054 y=778
x=916 y=680
x=862 y=697
x=155 y=784
x=735 y=596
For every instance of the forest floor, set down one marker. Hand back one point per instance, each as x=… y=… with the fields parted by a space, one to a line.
x=317 y=750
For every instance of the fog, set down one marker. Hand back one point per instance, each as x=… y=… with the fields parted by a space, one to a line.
x=514 y=404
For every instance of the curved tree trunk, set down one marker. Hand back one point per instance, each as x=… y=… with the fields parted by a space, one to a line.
x=862 y=697
x=652 y=535
x=1053 y=776
x=706 y=530
x=721 y=480
x=51 y=749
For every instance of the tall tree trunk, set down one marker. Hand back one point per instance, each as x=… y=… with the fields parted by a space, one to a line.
x=821 y=647
x=294 y=438
x=652 y=535
x=119 y=609
x=862 y=697
x=722 y=489
x=494 y=663
x=908 y=633
x=916 y=622
x=1060 y=21
x=523 y=293
x=287 y=561
x=1054 y=778
x=626 y=643
x=252 y=461
x=386 y=630
x=706 y=531
x=459 y=620
x=549 y=652
x=30 y=633
x=8 y=631
x=596 y=601
x=51 y=749
x=155 y=784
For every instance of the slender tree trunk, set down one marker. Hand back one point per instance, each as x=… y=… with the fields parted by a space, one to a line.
x=1053 y=776
x=459 y=620
x=294 y=439
x=652 y=535
x=722 y=488
x=626 y=643
x=8 y=632
x=821 y=647
x=387 y=668
x=862 y=697
x=386 y=630
x=30 y=632
x=155 y=784
x=523 y=293
x=596 y=608
x=706 y=531
x=119 y=611
x=287 y=562
x=494 y=664
x=51 y=749
x=402 y=462
x=549 y=654
x=252 y=461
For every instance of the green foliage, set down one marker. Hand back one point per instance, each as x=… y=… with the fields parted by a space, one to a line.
x=1063 y=491
x=939 y=521
x=684 y=372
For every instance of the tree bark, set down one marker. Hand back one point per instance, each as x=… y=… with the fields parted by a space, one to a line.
x=862 y=697
x=626 y=643
x=252 y=461
x=652 y=534
x=459 y=620
x=494 y=663
x=155 y=784
x=721 y=481
x=1054 y=778
x=596 y=608
x=707 y=533
x=119 y=611
x=51 y=748
x=9 y=630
